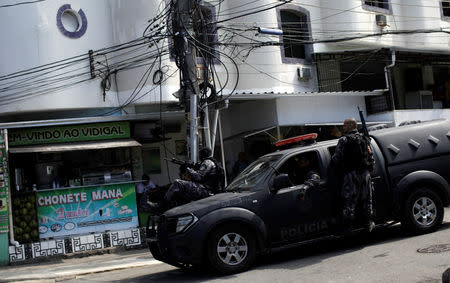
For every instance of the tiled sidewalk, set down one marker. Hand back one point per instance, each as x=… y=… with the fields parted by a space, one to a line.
x=67 y=268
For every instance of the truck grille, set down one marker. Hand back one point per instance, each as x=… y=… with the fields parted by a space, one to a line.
x=167 y=225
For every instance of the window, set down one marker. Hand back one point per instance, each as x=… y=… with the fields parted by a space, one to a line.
x=254 y=173
x=295 y=32
x=298 y=167
x=381 y=6
x=446 y=9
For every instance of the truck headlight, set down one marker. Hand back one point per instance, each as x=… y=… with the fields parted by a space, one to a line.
x=184 y=222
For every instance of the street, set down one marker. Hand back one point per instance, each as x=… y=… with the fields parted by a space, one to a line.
x=385 y=255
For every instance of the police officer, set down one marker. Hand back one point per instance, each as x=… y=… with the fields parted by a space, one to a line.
x=302 y=170
x=195 y=185
x=305 y=174
x=355 y=174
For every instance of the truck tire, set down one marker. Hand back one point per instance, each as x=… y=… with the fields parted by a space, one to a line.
x=423 y=211
x=231 y=249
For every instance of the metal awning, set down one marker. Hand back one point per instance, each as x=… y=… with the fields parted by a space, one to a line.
x=302 y=95
x=152 y=117
x=250 y=133
x=75 y=146
x=339 y=123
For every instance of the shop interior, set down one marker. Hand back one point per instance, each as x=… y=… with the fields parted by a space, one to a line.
x=31 y=172
x=42 y=171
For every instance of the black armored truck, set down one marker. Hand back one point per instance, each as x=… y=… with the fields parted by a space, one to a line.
x=268 y=207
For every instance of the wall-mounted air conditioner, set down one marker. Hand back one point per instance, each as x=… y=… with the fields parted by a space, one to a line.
x=381 y=20
x=304 y=73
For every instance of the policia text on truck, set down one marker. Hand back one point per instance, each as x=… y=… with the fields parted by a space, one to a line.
x=262 y=211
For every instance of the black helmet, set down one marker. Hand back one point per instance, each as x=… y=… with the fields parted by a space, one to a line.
x=204 y=153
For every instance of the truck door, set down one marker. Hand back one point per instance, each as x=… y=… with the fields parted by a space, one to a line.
x=381 y=193
x=381 y=188
x=292 y=213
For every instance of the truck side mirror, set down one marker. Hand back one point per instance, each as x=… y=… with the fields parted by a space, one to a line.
x=279 y=182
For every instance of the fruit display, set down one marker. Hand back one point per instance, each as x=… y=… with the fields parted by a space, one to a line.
x=25 y=218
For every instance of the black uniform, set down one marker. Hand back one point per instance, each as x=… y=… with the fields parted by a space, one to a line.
x=355 y=177
x=202 y=181
x=312 y=179
x=201 y=185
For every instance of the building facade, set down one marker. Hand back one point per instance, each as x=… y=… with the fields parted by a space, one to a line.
x=87 y=63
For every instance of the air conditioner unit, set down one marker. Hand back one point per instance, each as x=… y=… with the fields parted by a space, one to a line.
x=381 y=20
x=303 y=73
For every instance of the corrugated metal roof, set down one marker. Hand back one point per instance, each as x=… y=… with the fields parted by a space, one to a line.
x=88 y=120
x=272 y=95
x=387 y=50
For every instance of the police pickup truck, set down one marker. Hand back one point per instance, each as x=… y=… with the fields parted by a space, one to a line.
x=264 y=210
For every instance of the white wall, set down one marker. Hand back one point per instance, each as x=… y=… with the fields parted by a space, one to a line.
x=387 y=116
x=406 y=15
x=263 y=70
x=317 y=109
x=131 y=20
x=423 y=115
x=31 y=38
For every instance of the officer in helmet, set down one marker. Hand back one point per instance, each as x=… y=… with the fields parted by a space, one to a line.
x=198 y=184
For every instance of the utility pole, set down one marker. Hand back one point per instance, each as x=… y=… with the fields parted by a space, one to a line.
x=186 y=61
x=205 y=61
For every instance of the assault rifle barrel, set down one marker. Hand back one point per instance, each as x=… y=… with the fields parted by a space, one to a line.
x=363 y=122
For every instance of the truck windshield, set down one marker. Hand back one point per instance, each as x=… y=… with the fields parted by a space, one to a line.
x=253 y=173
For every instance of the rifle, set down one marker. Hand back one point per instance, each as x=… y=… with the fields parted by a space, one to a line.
x=371 y=160
x=183 y=167
x=363 y=122
x=183 y=163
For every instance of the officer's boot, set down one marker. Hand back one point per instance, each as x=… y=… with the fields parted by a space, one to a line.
x=346 y=225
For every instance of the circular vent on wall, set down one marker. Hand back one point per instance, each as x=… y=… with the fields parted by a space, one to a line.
x=71 y=23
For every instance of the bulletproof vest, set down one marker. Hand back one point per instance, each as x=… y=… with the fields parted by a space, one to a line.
x=356 y=154
x=215 y=181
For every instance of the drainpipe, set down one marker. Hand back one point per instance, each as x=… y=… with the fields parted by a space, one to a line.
x=214 y=129
x=222 y=151
x=206 y=128
x=11 y=224
x=388 y=78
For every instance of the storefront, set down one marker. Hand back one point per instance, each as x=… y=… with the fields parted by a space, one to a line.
x=5 y=207
x=71 y=187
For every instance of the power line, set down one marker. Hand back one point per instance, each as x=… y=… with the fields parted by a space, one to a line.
x=21 y=3
x=253 y=12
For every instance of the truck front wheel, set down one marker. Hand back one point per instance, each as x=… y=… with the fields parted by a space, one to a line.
x=423 y=212
x=231 y=249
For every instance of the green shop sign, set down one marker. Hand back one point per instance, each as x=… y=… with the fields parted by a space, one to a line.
x=4 y=185
x=86 y=210
x=73 y=133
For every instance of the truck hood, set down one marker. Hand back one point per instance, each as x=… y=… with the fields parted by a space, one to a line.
x=206 y=205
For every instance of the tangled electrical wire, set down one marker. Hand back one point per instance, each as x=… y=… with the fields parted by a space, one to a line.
x=224 y=42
